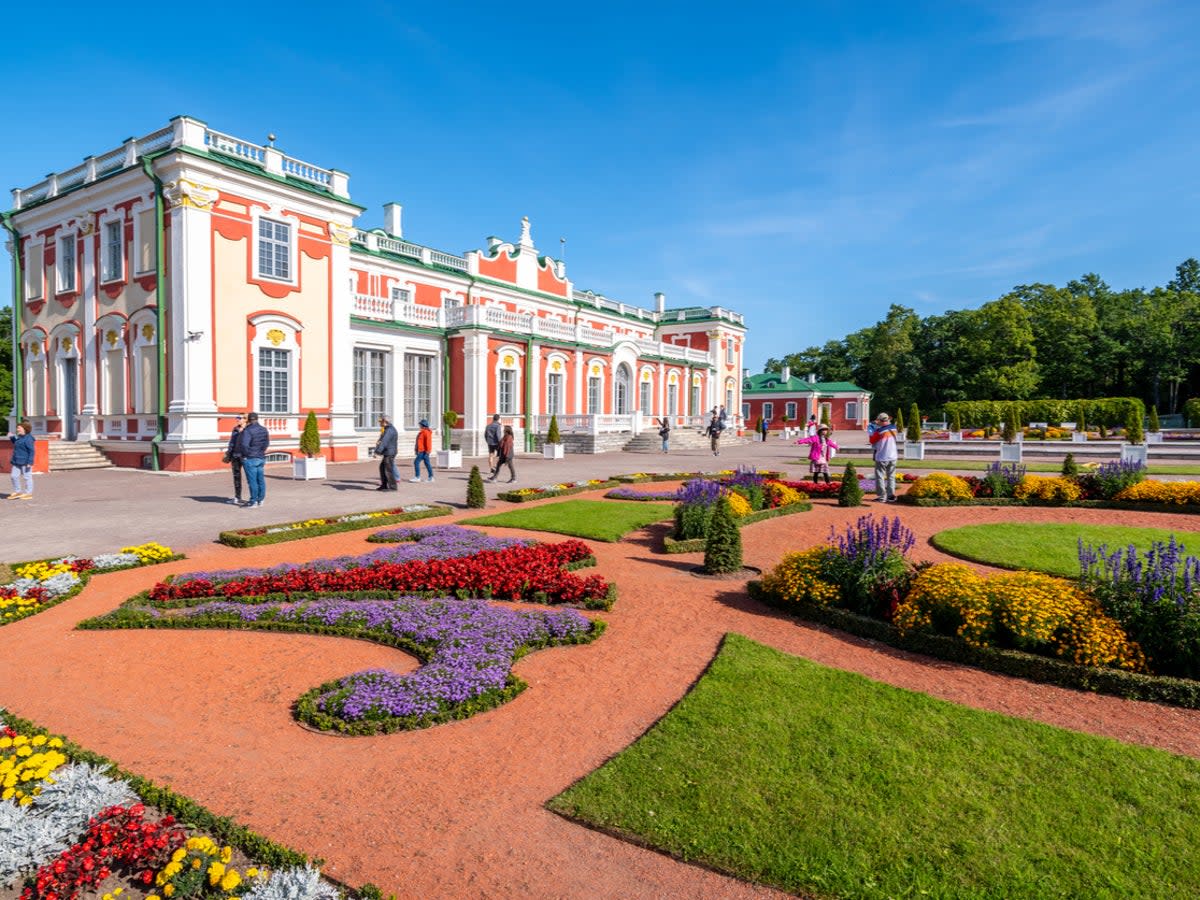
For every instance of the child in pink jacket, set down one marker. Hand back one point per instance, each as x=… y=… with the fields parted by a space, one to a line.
x=820 y=451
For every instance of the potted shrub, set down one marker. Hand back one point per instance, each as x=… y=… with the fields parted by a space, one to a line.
x=450 y=456
x=1010 y=449
x=1133 y=449
x=914 y=447
x=553 y=447
x=1079 y=435
x=955 y=426
x=901 y=430
x=311 y=464
x=1154 y=431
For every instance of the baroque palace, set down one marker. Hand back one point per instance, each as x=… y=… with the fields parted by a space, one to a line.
x=168 y=284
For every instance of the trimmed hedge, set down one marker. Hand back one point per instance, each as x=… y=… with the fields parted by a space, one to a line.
x=1129 y=685
x=695 y=545
x=1085 y=504
x=242 y=539
x=1191 y=412
x=518 y=497
x=261 y=850
x=1108 y=411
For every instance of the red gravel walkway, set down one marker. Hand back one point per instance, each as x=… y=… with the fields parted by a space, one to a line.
x=456 y=810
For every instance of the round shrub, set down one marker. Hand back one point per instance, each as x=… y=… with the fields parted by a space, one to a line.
x=940 y=486
x=1039 y=489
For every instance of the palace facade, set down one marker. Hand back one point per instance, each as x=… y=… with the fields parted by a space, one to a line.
x=170 y=283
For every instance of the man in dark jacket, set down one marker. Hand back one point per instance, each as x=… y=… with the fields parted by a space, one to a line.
x=386 y=451
x=252 y=447
x=235 y=459
x=492 y=436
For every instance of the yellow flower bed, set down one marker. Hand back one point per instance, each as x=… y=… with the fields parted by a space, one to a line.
x=1042 y=489
x=150 y=553
x=1179 y=493
x=41 y=571
x=738 y=505
x=797 y=578
x=200 y=866
x=26 y=763
x=1032 y=610
x=781 y=495
x=940 y=486
x=17 y=607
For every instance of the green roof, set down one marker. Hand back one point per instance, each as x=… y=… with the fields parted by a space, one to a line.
x=773 y=383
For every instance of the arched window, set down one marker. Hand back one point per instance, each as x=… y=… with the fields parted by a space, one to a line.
x=622 y=387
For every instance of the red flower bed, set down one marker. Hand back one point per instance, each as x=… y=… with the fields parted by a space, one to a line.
x=815 y=488
x=118 y=838
x=515 y=573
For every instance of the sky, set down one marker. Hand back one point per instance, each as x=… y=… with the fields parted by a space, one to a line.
x=805 y=164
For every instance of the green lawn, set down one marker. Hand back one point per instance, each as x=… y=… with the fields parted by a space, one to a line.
x=976 y=465
x=1050 y=547
x=821 y=781
x=600 y=520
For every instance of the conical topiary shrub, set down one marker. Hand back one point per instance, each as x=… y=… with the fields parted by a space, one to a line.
x=1009 y=434
x=850 y=494
x=1070 y=468
x=310 y=438
x=1081 y=419
x=899 y=422
x=552 y=435
x=1154 y=426
x=476 y=498
x=956 y=422
x=1133 y=427
x=914 y=423
x=723 y=543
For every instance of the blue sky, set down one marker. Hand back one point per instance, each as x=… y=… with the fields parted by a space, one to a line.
x=806 y=164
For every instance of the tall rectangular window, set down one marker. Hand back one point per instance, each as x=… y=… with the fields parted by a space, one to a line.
x=789 y=410
x=645 y=395
x=112 y=252
x=506 y=392
x=594 y=405
x=729 y=358
x=147 y=250
x=554 y=393
x=113 y=397
x=274 y=249
x=34 y=271
x=418 y=389
x=370 y=387
x=672 y=399
x=851 y=411
x=274 y=380
x=65 y=265
x=746 y=411
x=769 y=411
x=694 y=408
x=728 y=398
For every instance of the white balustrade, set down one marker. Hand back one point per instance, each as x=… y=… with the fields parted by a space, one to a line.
x=231 y=146
x=306 y=171
x=373 y=307
x=445 y=259
x=416 y=314
x=285 y=425
x=399 y=247
x=155 y=141
x=597 y=336
x=553 y=328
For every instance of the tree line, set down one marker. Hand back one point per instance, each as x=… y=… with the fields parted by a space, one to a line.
x=1083 y=340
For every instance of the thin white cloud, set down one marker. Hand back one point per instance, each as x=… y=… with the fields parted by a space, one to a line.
x=1058 y=106
x=1124 y=23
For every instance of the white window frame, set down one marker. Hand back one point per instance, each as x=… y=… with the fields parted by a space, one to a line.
x=595 y=395
x=36 y=252
x=287 y=369
x=289 y=244
x=851 y=410
x=789 y=410
x=554 y=393
x=646 y=396
x=107 y=272
x=768 y=410
x=417 y=398
x=367 y=406
x=672 y=399
x=729 y=352
x=506 y=405
x=143 y=233
x=402 y=295
x=61 y=284
x=696 y=399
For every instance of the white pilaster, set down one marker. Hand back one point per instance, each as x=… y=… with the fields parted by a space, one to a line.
x=579 y=382
x=475 y=386
x=533 y=370
x=341 y=412
x=88 y=339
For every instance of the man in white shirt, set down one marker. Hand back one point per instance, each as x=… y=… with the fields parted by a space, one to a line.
x=883 y=443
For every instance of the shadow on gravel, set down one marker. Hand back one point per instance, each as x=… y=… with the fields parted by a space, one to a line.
x=207 y=498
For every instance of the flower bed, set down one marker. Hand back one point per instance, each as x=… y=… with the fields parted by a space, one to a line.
x=1109 y=632
x=73 y=822
x=294 y=531
x=562 y=489
x=42 y=584
x=467 y=646
x=628 y=493
x=752 y=497
x=643 y=477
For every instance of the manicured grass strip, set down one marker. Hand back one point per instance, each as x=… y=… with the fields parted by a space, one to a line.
x=976 y=465
x=599 y=520
x=295 y=531
x=816 y=780
x=1050 y=548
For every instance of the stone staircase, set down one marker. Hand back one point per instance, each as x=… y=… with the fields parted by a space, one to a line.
x=68 y=455
x=681 y=439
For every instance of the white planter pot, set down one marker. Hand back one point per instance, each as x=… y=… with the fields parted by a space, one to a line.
x=1010 y=452
x=914 y=450
x=449 y=459
x=305 y=468
x=1079 y=437
x=1133 y=453
x=1153 y=437
x=553 y=451
x=956 y=436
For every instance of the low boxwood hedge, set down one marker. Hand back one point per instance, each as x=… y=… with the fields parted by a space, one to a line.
x=695 y=545
x=256 y=537
x=1082 y=504
x=1129 y=685
x=523 y=496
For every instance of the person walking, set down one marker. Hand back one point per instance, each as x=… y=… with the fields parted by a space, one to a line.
x=820 y=451
x=22 y=462
x=492 y=435
x=234 y=458
x=423 y=445
x=252 y=447
x=714 y=434
x=504 y=456
x=664 y=432
x=723 y=418
x=385 y=449
x=810 y=429
x=883 y=441
x=764 y=426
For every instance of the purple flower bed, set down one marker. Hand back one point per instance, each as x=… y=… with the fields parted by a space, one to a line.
x=468 y=648
x=628 y=493
x=431 y=542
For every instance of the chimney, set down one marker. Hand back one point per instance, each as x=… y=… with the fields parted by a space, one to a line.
x=812 y=378
x=746 y=373
x=660 y=302
x=391 y=219
x=787 y=374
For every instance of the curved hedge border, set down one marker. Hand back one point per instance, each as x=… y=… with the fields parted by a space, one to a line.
x=1080 y=504
x=645 y=477
x=241 y=539
x=1128 y=685
x=517 y=497
x=84 y=578
x=694 y=545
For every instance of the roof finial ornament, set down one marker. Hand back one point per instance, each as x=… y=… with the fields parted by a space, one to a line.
x=526 y=238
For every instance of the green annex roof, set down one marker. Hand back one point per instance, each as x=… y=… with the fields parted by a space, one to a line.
x=773 y=383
